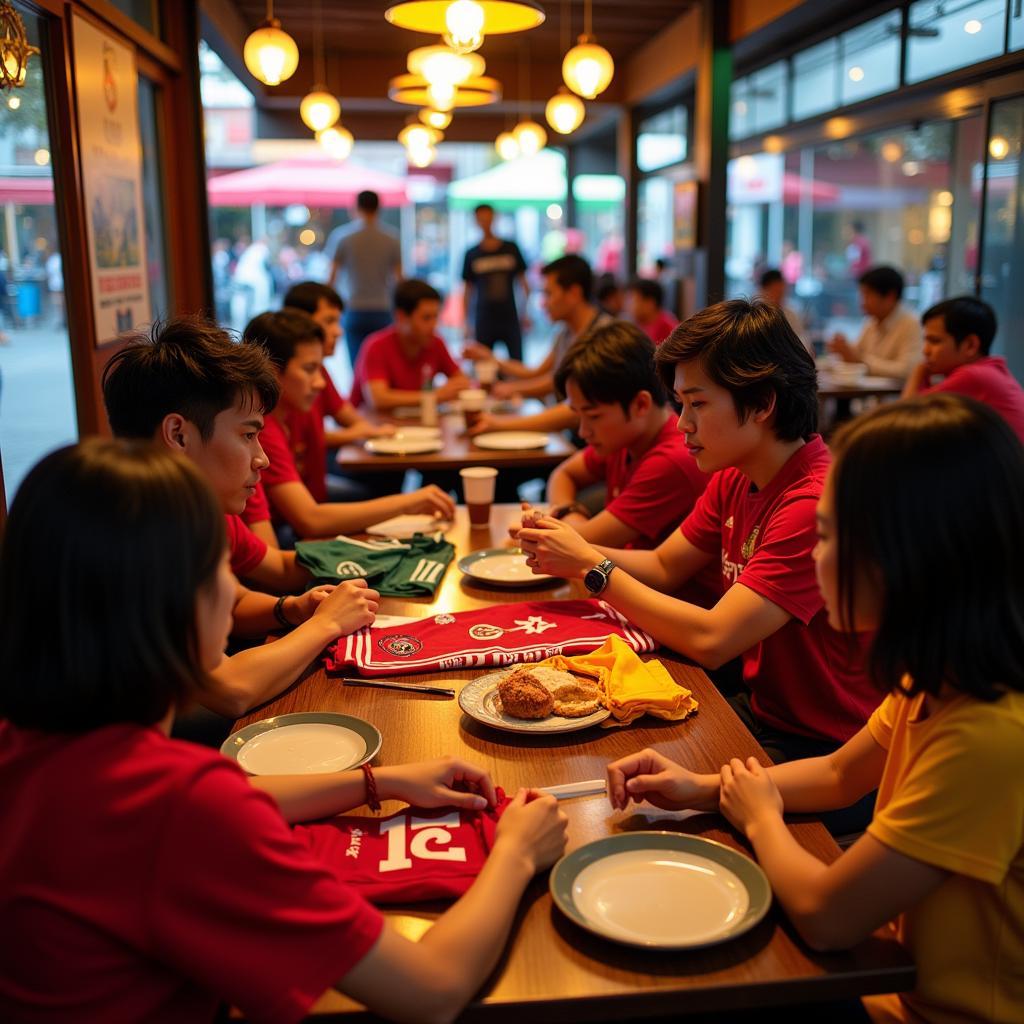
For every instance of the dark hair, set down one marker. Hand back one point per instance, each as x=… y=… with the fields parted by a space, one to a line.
x=483 y=206
x=279 y=333
x=188 y=366
x=770 y=276
x=858 y=226
x=606 y=285
x=411 y=292
x=749 y=349
x=613 y=363
x=883 y=280
x=650 y=289
x=965 y=315
x=115 y=639
x=929 y=499
x=368 y=201
x=306 y=295
x=572 y=270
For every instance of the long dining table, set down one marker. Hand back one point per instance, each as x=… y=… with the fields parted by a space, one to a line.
x=552 y=970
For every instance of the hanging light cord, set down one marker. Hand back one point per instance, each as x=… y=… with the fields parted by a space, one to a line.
x=564 y=27
x=588 y=18
x=270 y=10
x=319 y=73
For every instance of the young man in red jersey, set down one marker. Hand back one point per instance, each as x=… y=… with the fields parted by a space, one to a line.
x=645 y=301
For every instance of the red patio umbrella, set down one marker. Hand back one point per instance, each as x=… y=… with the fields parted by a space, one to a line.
x=27 y=191
x=312 y=181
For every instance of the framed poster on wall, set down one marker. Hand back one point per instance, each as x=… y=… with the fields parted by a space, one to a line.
x=684 y=214
x=106 y=87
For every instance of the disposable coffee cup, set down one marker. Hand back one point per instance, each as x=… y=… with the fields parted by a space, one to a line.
x=472 y=401
x=478 y=488
x=487 y=373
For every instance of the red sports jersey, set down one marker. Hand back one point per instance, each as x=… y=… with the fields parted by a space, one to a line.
x=495 y=636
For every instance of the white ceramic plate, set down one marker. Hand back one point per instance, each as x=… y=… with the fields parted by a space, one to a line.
x=404 y=527
x=419 y=433
x=306 y=743
x=661 y=890
x=399 y=445
x=479 y=699
x=512 y=440
x=505 y=567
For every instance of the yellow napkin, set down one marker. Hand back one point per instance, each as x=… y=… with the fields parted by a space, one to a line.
x=632 y=687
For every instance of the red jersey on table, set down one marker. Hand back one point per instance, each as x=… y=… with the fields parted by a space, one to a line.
x=495 y=636
x=988 y=380
x=806 y=678
x=158 y=883
x=246 y=550
x=381 y=358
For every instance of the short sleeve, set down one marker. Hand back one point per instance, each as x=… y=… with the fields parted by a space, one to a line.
x=882 y=719
x=657 y=497
x=258 y=921
x=330 y=400
x=520 y=262
x=282 y=469
x=375 y=363
x=445 y=363
x=336 y=246
x=781 y=568
x=596 y=465
x=703 y=526
x=467 y=268
x=246 y=549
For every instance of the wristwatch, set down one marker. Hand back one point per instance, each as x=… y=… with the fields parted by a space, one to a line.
x=561 y=511
x=596 y=579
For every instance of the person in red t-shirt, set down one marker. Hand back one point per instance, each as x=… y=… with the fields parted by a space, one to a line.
x=188 y=388
x=958 y=335
x=394 y=364
x=645 y=301
x=295 y=347
x=749 y=394
x=184 y=887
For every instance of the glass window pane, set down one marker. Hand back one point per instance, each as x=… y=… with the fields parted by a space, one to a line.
x=815 y=74
x=871 y=58
x=768 y=93
x=1016 y=26
x=741 y=116
x=661 y=140
x=153 y=200
x=946 y=36
x=37 y=401
x=654 y=222
x=144 y=12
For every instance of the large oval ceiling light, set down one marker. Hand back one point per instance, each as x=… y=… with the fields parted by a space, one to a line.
x=416 y=91
x=270 y=53
x=465 y=24
x=443 y=64
x=564 y=112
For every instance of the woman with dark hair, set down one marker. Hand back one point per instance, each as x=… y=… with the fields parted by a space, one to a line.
x=921 y=540
x=145 y=878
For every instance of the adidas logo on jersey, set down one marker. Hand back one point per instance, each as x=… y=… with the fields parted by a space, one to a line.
x=427 y=571
x=350 y=569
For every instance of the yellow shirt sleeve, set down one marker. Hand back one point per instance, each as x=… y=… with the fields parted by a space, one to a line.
x=880 y=723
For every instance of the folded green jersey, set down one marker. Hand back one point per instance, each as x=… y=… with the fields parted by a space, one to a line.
x=409 y=568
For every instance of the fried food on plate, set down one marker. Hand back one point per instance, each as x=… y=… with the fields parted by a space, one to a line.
x=576 y=700
x=522 y=696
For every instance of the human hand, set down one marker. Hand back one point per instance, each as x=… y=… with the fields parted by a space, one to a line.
x=534 y=827
x=648 y=775
x=555 y=549
x=443 y=782
x=475 y=351
x=362 y=429
x=347 y=607
x=485 y=423
x=748 y=796
x=504 y=389
x=529 y=518
x=450 y=389
x=432 y=500
x=300 y=607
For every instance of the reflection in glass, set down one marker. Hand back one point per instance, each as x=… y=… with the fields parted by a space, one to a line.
x=871 y=58
x=661 y=140
x=815 y=78
x=152 y=198
x=654 y=222
x=944 y=36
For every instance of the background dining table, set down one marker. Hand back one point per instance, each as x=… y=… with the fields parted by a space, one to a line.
x=552 y=969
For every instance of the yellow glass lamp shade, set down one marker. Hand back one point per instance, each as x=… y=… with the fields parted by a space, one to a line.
x=419 y=136
x=416 y=91
x=506 y=146
x=422 y=156
x=565 y=112
x=530 y=137
x=588 y=68
x=440 y=65
x=270 y=54
x=319 y=110
x=439 y=119
x=337 y=141
x=465 y=23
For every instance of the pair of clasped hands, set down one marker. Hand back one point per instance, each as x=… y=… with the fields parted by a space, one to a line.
x=553 y=548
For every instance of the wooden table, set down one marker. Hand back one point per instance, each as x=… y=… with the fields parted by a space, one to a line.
x=458 y=451
x=553 y=970
x=869 y=387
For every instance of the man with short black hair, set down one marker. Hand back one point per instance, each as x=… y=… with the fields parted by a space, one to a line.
x=889 y=344
x=366 y=258
x=772 y=288
x=646 y=305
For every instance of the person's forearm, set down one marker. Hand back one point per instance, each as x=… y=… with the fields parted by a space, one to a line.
x=344 y=435
x=536 y=387
x=388 y=398
x=879 y=367
x=562 y=488
x=558 y=417
x=330 y=518
x=644 y=566
x=311 y=797
x=265 y=531
x=811 y=785
x=253 y=614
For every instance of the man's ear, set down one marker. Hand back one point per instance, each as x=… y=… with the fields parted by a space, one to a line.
x=763 y=414
x=641 y=404
x=970 y=346
x=173 y=431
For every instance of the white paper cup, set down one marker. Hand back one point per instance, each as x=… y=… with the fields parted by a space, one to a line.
x=487 y=372
x=472 y=401
x=478 y=488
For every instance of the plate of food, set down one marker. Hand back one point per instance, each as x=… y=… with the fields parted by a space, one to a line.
x=661 y=890
x=505 y=567
x=534 y=699
x=512 y=440
x=304 y=743
x=401 y=444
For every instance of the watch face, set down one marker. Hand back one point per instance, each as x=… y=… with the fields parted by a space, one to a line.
x=595 y=580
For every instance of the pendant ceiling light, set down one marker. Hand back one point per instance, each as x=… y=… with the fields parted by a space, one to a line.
x=270 y=53
x=319 y=109
x=464 y=24
x=565 y=112
x=337 y=141
x=506 y=146
x=416 y=135
x=417 y=91
x=422 y=157
x=436 y=118
x=588 y=68
x=443 y=64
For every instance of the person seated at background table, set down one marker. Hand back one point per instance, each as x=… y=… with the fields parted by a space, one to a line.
x=889 y=344
x=396 y=363
x=162 y=881
x=568 y=282
x=944 y=854
x=772 y=288
x=293 y=343
x=187 y=388
x=645 y=302
x=748 y=389
x=958 y=335
x=610 y=297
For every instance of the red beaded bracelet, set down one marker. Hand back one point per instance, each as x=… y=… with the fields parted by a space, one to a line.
x=372 y=800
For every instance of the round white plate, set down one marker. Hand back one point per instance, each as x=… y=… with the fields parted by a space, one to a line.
x=407 y=526
x=661 y=890
x=505 y=567
x=419 y=433
x=512 y=440
x=400 y=445
x=479 y=699
x=306 y=743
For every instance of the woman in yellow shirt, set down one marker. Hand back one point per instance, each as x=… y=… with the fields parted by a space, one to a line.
x=921 y=540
